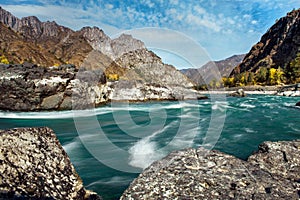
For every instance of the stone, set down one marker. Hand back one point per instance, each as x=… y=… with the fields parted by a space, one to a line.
x=239 y=93
x=52 y=102
x=41 y=177
x=273 y=172
x=66 y=104
x=298 y=104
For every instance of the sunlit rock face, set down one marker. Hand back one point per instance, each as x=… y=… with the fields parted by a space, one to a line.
x=273 y=172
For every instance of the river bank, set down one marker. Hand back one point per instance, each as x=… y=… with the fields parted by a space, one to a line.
x=278 y=90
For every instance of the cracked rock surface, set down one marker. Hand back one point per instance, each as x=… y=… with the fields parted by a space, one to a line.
x=273 y=172
x=33 y=165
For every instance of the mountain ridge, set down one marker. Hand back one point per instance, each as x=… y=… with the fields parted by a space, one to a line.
x=133 y=72
x=277 y=48
x=55 y=45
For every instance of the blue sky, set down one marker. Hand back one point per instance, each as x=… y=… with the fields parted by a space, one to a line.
x=221 y=27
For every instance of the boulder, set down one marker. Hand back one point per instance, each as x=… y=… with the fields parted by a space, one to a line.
x=298 y=104
x=33 y=165
x=273 y=172
x=52 y=102
x=238 y=93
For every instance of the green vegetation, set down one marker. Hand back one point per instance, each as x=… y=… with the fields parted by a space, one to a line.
x=264 y=76
x=292 y=71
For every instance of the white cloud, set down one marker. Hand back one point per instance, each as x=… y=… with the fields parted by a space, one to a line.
x=199 y=10
x=109 y=6
x=174 y=2
x=254 y=22
x=205 y=22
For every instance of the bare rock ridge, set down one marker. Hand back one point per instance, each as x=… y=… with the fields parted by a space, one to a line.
x=273 y=172
x=31 y=27
x=34 y=165
x=277 y=47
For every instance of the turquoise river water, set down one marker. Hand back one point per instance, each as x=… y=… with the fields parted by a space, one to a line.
x=110 y=145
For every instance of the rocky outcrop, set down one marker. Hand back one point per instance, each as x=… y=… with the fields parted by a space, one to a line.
x=114 y=48
x=273 y=172
x=29 y=87
x=139 y=91
x=277 y=47
x=33 y=165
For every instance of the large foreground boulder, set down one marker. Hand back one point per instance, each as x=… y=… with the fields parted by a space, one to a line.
x=271 y=173
x=33 y=165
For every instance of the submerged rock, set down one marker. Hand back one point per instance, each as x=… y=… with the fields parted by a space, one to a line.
x=33 y=165
x=271 y=173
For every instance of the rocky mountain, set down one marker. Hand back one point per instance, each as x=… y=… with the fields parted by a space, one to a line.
x=207 y=71
x=277 y=47
x=125 y=60
x=273 y=172
x=44 y=43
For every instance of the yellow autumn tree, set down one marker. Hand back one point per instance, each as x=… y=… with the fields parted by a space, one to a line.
x=272 y=73
x=275 y=76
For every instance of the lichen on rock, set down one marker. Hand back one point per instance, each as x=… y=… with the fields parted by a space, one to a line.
x=33 y=165
x=273 y=172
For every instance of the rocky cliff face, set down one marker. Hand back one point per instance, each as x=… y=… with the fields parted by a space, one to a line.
x=271 y=173
x=34 y=165
x=277 y=47
x=29 y=87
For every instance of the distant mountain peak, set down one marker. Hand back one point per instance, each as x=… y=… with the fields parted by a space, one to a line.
x=203 y=74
